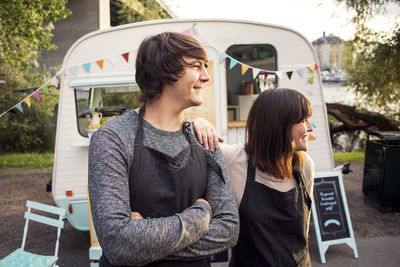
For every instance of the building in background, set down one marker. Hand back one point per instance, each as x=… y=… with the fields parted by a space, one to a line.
x=329 y=50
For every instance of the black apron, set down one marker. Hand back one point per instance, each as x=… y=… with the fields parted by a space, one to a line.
x=161 y=186
x=273 y=225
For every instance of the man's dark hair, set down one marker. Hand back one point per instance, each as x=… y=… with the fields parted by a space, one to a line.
x=269 y=126
x=160 y=61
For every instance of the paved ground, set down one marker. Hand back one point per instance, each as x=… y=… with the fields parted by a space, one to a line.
x=377 y=234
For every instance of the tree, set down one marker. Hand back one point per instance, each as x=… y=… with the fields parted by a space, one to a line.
x=25 y=29
x=373 y=73
x=128 y=11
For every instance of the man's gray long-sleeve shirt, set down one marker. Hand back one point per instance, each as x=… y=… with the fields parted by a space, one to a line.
x=194 y=233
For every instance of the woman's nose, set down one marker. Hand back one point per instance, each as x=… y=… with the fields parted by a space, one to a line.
x=309 y=126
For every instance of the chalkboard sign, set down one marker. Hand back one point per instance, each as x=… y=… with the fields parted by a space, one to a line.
x=330 y=213
x=330 y=209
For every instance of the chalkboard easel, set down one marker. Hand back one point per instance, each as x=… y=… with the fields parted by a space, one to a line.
x=331 y=214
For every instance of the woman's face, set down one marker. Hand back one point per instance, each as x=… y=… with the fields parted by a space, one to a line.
x=300 y=134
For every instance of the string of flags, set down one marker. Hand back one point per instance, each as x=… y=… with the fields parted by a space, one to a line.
x=88 y=66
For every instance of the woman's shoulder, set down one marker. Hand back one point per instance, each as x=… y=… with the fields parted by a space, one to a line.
x=308 y=169
x=233 y=153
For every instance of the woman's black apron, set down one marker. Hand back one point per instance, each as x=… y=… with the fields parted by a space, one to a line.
x=161 y=186
x=273 y=225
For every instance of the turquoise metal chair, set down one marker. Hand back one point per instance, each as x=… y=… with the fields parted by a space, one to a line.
x=20 y=257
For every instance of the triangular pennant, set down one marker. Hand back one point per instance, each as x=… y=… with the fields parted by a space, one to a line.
x=279 y=74
x=73 y=70
x=266 y=73
x=313 y=125
x=289 y=74
x=19 y=107
x=222 y=57
x=187 y=31
x=312 y=67
x=311 y=137
x=316 y=66
x=86 y=66
x=126 y=56
x=100 y=63
x=36 y=95
x=310 y=91
x=300 y=72
x=232 y=63
x=54 y=81
x=13 y=111
x=255 y=72
x=311 y=79
x=113 y=60
x=315 y=103
x=244 y=69
x=28 y=101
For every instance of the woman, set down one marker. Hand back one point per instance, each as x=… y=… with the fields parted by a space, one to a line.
x=272 y=179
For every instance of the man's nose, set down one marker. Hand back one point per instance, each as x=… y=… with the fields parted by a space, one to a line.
x=204 y=77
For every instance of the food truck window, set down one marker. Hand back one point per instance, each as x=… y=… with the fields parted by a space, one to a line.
x=243 y=89
x=97 y=106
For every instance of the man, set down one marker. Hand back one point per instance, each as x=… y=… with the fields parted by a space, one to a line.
x=147 y=164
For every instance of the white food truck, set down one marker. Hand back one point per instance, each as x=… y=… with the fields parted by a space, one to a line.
x=245 y=58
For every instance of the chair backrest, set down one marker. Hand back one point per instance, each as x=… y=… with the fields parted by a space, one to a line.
x=29 y=215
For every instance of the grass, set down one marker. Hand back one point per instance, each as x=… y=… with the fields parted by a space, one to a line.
x=44 y=160
x=33 y=160
x=348 y=157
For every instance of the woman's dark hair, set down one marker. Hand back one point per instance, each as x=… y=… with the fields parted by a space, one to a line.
x=269 y=127
x=160 y=61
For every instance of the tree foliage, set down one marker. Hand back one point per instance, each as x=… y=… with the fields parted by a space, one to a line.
x=25 y=29
x=373 y=72
x=128 y=11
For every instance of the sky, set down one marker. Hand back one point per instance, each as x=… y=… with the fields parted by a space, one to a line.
x=309 y=17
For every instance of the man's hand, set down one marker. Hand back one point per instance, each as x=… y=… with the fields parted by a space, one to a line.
x=206 y=133
x=205 y=201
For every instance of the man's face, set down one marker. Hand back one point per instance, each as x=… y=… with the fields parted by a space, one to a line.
x=187 y=88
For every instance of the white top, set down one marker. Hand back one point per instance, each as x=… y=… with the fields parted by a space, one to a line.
x=236 y=161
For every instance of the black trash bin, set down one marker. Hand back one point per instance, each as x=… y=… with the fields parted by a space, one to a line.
x=381 y=181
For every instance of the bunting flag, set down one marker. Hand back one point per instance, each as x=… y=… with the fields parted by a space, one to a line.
x=28 y=101
x=187 y=31
x=266 y=73
x=73 y=70
x=54 y=81
x=316 y=66
x=311 y=137
x=113 y=61
x=86 y=66
x=232 y=64
x=312 y=68
x=244 y=69
x=279 y=74
x=310 y=91
x=36 y=95
x=222 y=57
x=313 y=125
x=100 y=63
x=289 y=74
x=300 y=72
x=311 y=79
x=255 y=72
x=19 y=107
x=126 y=56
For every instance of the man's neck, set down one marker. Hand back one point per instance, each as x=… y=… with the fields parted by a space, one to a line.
x=164 y=116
